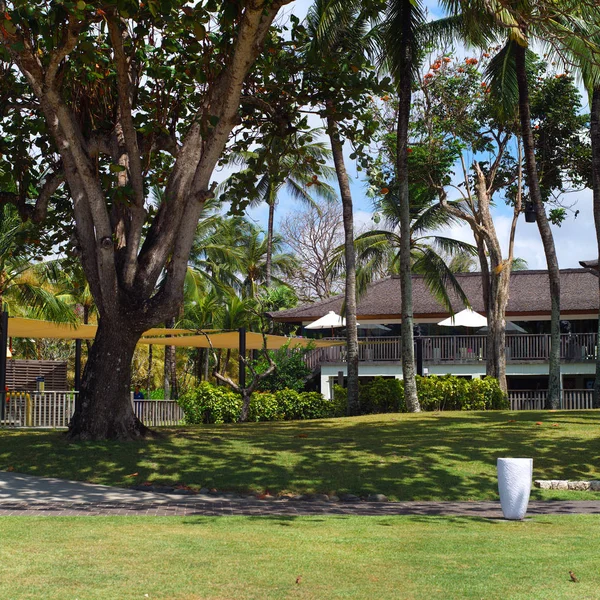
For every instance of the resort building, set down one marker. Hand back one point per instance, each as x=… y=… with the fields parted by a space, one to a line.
x=461 y=351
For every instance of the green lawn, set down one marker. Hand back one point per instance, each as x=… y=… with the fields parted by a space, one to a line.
x=447 y=456
x=240 y=558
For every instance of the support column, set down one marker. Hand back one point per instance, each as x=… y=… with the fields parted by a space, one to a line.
x=419 y=342
x=242 y=347
x=3 y=349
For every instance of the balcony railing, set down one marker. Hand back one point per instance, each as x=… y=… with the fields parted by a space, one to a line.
x=448 y=349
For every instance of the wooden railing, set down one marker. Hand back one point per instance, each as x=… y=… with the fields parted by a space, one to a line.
x=158 y=413
x=442 y=349
x=536 y=399
x=55 y=409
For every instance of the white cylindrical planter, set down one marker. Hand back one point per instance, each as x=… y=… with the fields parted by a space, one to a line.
x=514 y=485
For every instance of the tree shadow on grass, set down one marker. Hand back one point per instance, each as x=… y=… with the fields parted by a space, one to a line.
x=450 y=456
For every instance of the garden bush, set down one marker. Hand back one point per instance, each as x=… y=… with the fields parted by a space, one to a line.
x=435 y=393
x=210 y=404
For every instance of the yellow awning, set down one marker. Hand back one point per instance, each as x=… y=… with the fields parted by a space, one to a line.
x=231 y=340
x=19 y=327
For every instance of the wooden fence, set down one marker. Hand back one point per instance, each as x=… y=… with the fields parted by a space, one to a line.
x=536 y=399
x=55 y=409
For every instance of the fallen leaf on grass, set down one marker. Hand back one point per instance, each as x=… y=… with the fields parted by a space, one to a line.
x=132 y=475
x=539 y=423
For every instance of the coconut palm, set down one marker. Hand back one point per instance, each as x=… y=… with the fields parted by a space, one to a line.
x=379 y=249
x=294 y=164
x=26 y=289
x=401 y=52
x=340 y=34
x=518 y=23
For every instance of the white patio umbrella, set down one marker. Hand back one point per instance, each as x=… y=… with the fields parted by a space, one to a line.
x=509 y=327
x=329 y=321
x=465 y=318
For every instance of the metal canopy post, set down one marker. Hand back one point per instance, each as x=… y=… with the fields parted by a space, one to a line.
x=242 y=377
x=419 y=341
x=77 y=365
x=3 y=349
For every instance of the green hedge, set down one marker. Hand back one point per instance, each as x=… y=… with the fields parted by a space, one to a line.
x=211 y=404
x=435 y=393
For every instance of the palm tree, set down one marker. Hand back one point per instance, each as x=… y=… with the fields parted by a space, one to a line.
x=400 y=35
x=293 y=163
x=589 y=67
x=339 y=35
x=379 y=250
x=254 y=271
x=519 y=22
x=26 y=289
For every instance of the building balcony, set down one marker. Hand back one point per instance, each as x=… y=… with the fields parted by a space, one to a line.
x=460 y=349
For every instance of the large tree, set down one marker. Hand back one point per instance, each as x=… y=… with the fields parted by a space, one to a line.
x=338 y=43
x=400 y=34
x=118 y=95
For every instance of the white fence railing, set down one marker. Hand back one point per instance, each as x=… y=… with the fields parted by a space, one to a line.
x=55 y=409
x=536 y=399
x=158 y=413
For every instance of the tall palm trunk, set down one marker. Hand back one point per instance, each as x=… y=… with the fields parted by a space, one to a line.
x=350 y=257
x=404 y=103
x=553 y=399
x=270 y=227
x=595 y=138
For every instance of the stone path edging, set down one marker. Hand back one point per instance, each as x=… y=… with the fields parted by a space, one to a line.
x=41 y=496
x=286 y=508
x=563 y=484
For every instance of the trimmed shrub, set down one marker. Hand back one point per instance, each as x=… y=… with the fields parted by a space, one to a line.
x=382 y=396
x=435 y=393
x=264 y=407
x=340 y=401
x=210 y=404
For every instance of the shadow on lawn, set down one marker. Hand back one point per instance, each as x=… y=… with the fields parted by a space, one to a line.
x=428 y=456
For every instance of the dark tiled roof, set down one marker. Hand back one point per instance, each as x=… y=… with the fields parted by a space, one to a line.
x=590 y=264
x=529 y=295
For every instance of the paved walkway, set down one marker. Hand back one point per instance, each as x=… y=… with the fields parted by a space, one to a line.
x=40 y=496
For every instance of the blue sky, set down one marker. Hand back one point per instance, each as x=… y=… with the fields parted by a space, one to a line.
x=575 y=240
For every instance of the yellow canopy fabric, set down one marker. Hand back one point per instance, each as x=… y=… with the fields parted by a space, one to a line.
x=19 y=327
x=231 y=340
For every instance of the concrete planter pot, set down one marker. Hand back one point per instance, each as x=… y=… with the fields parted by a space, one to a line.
x=514 y=485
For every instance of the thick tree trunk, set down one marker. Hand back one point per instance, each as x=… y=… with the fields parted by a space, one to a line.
x=496 y=283
x=103 y=408
x=496 y=339
x=554 y=391
x=404 y=105
x=595 y=138
x=353 y=406
x=270 y=227
x=246 y=397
